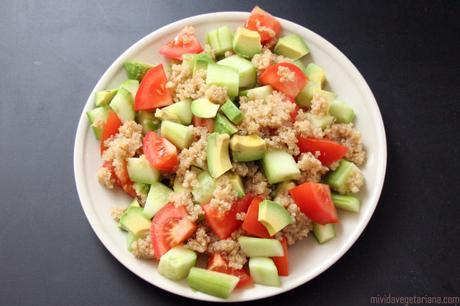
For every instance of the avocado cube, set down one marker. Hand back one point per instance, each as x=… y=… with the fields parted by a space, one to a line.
x=217 y=154
x=273 y=216
x=136 y=70
x=292 y=46
x=103 y=97
x=247 y=148
x=246 y=43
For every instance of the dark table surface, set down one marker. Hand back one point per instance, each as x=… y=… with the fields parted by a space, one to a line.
x=53 y=52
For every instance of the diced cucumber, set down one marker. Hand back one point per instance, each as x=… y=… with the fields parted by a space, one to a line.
x=323 y=233
x=176 y=263
x=315 y=74
x=103 y=97
x=206 y=186
x=227 y=77
x=177 y=186
x=339 y=179
x=212 y=283
x=260 y=247
x=346 y=202
x=223 y=126
x=122 y=104
x=132 y=86
x=130 y=238
x=141 y=189
x=180 y=135
x=136 y=70
x=188 y=59
x=140 y=170
x=263 y=271
x=300 y=64
x=201 y=61
x=180 y=112
x=342 y=112
x=148 y=121
x=322 y=122
x=303 y=99
x=157 y=198
x=97 y=118
x=204 y=108
x=246 y=70
x=232 y=112
x=220 y=40
x=279 y=166
x=257 y=93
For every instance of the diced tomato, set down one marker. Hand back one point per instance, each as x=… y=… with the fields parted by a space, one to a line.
x=170 y=227
x=218 y=263
x=282 y=262
x=330 y=151
x=290 y=87
x=264 y=23
x=251 y=225
x=184 y=43
x=121 y=178
x=294 y=113
x=207 y=123
x=161 y=153
x=315 y=201
x=110 y=128
x=152 y=92
x=224 y=224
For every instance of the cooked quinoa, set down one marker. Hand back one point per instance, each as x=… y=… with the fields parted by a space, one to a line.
x=142 y=248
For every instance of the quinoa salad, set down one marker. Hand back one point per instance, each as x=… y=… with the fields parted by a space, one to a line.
x=234 y=151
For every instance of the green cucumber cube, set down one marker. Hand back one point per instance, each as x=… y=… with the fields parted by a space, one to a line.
x=346 y=202
x=97 y=118
x=340 y=178
x=211 y=282
x=342 y=112
x=123 y=105
x=176 y=263
x=203 y=108
x=140 y=170
x=227 y=77
x=202 y=193
x=247 y=71
x=223 y=126
x=323 y=233
x=232 y=112
x=279 y=166
x=157 y=198
x=260 y=247
x=263 y=271
x=180 y=135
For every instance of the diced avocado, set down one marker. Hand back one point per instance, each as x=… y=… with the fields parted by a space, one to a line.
x=176 y=263
x=323 y=233
x=103 y=97
x=322 y=122
x=346 y=202
x=140 y=170
x=273 y=216
x=260 y=247
x=134 y=221
x=180 y=112
x=341 y=177
x=204 y=108
x=263 y=271
x=211 y=282
x=342 y=112
x=232 y=112
x=122 y=104
x=180 y=135
x=134 y=203
x=201 y=61
x=246 y=43
x=300 y=64
x=292 y=46
x=217 y=154
x=315 y=74
x=246 y=70
x=136 y=70
x=202 y=193
x=284 y=187
x=223 y=126
x=148 y=121
x=157 y=198
x=97 y=118
x=303 y=99
x=220 y=40
x=247 y=148
x=279 y=166
x=132 y=86
x=257 y=93
x=237 y=184
x=227 y=77
x=329 y=96
x=141 y=189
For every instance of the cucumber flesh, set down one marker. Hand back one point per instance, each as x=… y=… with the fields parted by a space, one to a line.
x=323 y=233
x=140 y=170
x=279 y=166
x=157 y=198
x=263 y=271
x=260 y=247
x=342 y=112
x=346 y=202
x=148 y=121
x=257 y=93
x=132 y=86
x=179 y=112
x=204 y=108
x=176 y=263
x=223 y=126
x=246 y=70
x=98 y=117
x=232 y=112
x=220 y=40
x=180 y=135
x=206 y=186
x=122 y=104
x=227 y=77
x=303 y=99
x=339 y=179
x=211 y=282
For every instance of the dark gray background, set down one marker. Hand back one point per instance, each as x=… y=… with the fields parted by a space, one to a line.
x=53 y=52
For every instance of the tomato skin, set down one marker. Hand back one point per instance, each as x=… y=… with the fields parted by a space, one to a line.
x=121 y=178
x=294 y=113
x=264 y=19
x=152 y=92
x=330 y=151
x=290 y=88
x=184 y=43
x=251 y=225
x=161 y=153
x=170 y=227
x=218 y=263
x=282 y=262
x=110 y=128
x=314 y=200
x=223 y=225
x=207 y=123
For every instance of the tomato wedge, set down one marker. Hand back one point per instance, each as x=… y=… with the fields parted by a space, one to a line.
x=294 y=113
x=224 y=224
x=152 y=92
x=170 y=227
x=314 y=200
x=121 y=178
x=264 y=23
x=207 y=123
x=282 y=262
x=161 y=153
x=184 y=43
x=218 y=263
x=280 y=77
x=251 y=225
x=330 y=151
x=110 y=128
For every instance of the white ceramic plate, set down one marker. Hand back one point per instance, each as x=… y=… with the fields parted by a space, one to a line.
x=307 y=259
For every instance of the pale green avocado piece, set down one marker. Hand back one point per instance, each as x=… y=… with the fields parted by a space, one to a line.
x=279 y=166
x=329 y=96
x=203 y=108
x=136 y=70
x=202 y=193
x=140 y=170
x=263 y=271
x=260 y=247
x=148 y=121
x=247 y=148
x=201 y=61
x=322 y=122
x=342 y=112
x=227 y=77
x=217 y=154
x=232 y=112
x=103 y=97
x=134 y=221
x=246 y=70
x=97 y=118
x=211 y=282
x=323 y=233
x=284 y=187
x=132 y=86
x=292 y=46
x=273 y=216
x=180 y=135
x=180 y=112
x=237 y=184
x=176 y=263
x=246 y=43
x=303 y=99
x=315 y=74
x=123 y=105
x=223 y=126
x=257 y=93
x=220 y=40
x=157 y=198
